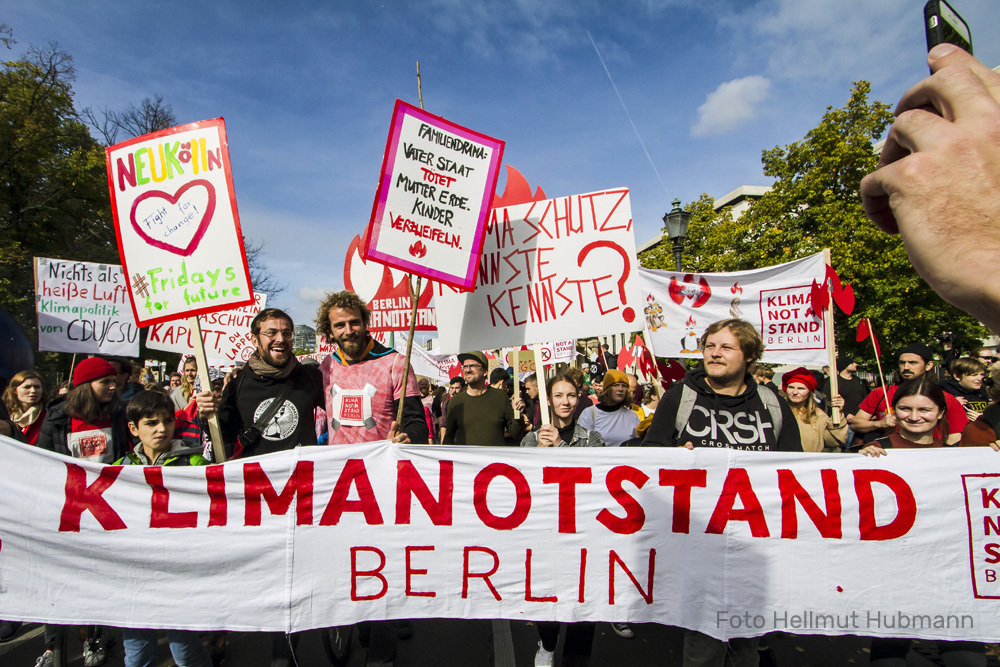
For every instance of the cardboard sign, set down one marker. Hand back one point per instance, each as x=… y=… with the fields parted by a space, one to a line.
x=83 y=307
x=679 y=307
x=226 y=334
x=548 y=268
x=559 y=352
x=178 y=229
x=337 y=535
x=433 y=197
x=387 y=294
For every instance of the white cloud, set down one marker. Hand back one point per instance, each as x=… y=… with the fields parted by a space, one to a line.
x=730 y=105
x=311 y=294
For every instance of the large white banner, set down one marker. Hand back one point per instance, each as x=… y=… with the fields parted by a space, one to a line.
x=680 y=306
x=550 y=269
x=83 y=307
x=730 y=543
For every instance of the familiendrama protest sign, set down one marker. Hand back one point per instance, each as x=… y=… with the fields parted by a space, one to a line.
x=727 y=542
x=433 y=197
x=548 y=268
x=175 y=217
x=775 y=300
x=83 y=307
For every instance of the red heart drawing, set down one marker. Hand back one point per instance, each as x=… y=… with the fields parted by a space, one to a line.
x=192 y=244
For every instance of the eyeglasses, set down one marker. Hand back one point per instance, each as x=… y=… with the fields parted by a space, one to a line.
x=471 y=367
x=273 y=333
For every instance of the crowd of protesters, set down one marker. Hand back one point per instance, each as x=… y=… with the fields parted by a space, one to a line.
x=108 y=415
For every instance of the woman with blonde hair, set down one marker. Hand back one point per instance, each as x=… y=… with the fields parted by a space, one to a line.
x=26 y=398
x=815 y=427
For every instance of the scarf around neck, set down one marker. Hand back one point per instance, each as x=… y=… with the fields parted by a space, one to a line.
x=264 y=369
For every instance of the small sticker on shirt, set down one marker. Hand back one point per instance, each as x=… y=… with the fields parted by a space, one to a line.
x=352 y=407
x=92 y=445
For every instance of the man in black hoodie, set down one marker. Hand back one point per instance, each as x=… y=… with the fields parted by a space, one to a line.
x=720 y=405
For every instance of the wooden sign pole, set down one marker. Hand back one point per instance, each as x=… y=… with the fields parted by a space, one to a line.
x=415 y=299
x=831 y=345
x=214 y=430
x=543 y=397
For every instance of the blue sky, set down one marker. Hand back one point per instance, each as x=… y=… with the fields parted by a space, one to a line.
x=307 y=90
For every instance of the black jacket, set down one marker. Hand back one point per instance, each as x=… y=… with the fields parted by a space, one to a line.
x=245 y=398
x=58 y=425
x=717 y=420
x=978 y=399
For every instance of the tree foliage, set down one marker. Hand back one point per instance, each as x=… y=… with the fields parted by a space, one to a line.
x=815 y=204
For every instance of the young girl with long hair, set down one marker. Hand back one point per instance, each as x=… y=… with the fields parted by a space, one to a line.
x=26 y=398
x=815 y=427
x=919 y=405
x=563 y=431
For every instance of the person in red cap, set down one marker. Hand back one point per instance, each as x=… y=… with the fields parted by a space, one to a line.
x=816 y=429
x=88 y=423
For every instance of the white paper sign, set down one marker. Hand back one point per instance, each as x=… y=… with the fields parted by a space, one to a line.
x=549 y=268
x=680 y=306
x=83 y=307
x=178 y=229
x=322 y=536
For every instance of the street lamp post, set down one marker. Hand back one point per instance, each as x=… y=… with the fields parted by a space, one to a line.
x=677 y=223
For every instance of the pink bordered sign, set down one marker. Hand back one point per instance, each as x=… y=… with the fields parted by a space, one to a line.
x=433 y=197
x=177 y=225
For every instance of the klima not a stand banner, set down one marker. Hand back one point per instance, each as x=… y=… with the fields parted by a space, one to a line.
x=549 y=269
x=178 y=228
x=727 y=542
x=433 y=197
x=678 y=307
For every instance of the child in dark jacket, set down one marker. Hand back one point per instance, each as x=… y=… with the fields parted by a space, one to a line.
x=150 y=417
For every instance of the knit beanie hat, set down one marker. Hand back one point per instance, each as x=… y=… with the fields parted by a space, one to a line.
x=802 y=375
x=90 y=369
x=613 y=377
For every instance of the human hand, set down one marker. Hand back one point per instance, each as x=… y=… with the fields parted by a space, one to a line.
x=837 y=401
x=938 y=181
x=548 y=436
x=518 y=404
x=995 y=446
x=874 y=451
x=205 y=402
x=889 y=421
x=688 y=445
x=395 y=435
x=962 y=400
x=972 y=414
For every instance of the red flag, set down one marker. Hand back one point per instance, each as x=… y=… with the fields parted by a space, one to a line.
x=819 y=298
x=864 y=331
x=670 y=372
x=843 y=294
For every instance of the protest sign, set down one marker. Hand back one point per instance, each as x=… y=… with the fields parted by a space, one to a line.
x=175 y=217
x=385 y=291
x=433 y=197
x=83 y=307
x=225 y=334
x=776 y=300
x=559 y=352
x=438 y=368
x=548 y=268
x=335 y=535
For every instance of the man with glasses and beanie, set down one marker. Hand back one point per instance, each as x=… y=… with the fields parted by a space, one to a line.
x=481 y=414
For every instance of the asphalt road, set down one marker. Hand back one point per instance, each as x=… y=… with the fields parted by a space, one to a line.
x=453 y=643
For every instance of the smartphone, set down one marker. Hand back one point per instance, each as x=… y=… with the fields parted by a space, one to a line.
x=943 y=24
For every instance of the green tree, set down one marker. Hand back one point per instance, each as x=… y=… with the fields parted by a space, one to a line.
x=53 y=192
x=815 y=204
